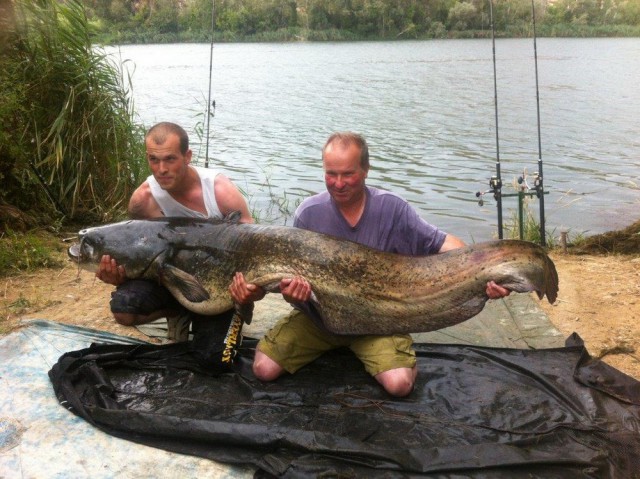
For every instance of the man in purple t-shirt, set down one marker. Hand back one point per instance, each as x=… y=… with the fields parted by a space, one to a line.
x=351 y=210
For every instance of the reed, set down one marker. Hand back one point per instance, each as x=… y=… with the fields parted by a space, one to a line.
x=78 y=139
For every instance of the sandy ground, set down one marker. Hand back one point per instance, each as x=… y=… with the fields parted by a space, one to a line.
x=599 y=299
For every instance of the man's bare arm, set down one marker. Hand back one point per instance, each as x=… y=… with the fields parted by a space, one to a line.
x=142 y=205
x=230 y=199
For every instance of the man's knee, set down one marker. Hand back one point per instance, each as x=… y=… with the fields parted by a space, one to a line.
x=130 y=319
x=398 y=382
x=125 y=319
x=138 y=302
x=265 y=368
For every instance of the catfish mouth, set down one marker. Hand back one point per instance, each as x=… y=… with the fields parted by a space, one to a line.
x=81 y=253
x=74 y=252
x=78 y=251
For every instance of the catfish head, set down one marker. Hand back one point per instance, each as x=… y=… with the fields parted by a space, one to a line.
x=136 y=245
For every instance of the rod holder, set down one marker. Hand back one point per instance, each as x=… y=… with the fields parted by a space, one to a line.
x=525 y=190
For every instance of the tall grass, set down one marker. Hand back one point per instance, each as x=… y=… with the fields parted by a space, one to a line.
x=78 y=140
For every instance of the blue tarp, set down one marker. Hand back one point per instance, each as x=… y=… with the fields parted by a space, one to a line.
x=41 y=439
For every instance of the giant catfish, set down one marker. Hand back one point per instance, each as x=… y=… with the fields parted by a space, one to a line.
x=356 y=289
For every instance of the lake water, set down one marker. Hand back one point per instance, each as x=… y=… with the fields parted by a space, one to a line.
x=427 y=111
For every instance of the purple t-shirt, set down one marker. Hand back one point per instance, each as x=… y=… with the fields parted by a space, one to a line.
x=388 y=223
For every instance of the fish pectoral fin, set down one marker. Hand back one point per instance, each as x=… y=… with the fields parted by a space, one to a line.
x=314 y=299
x=188 y=285
x=233 y=217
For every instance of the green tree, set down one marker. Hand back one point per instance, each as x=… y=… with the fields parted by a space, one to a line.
x=119 y=11
x=462 y=16
x=318 y=16
x=579 y=12
x=438 y=10
x=629 y=12
x=197 y=15
x=162 y=16
x=171 y=20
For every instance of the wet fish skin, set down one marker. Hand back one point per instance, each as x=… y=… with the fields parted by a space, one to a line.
x=357 y=290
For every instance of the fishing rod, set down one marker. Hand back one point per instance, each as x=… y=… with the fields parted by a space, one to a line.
x=539 y=185
x=50 y=195
x=209 y=102
x=495 y=183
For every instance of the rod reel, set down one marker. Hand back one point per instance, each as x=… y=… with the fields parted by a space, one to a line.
x=537 y=183
x=495 y=187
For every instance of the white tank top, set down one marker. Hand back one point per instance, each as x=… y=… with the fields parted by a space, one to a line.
x=170 y=207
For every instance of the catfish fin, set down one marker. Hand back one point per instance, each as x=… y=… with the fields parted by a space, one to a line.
x=188 y=285
x=233 y=217
x=551 y=280
x=245 y=312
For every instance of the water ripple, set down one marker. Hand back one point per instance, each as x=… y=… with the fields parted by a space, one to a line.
x=427 y=110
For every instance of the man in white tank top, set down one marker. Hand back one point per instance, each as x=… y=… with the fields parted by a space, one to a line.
x=175 y=188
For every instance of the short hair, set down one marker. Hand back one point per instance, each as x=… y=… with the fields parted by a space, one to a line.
x=158 y=134
x=346 y=138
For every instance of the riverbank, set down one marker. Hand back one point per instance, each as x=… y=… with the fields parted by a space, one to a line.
x=437 y=31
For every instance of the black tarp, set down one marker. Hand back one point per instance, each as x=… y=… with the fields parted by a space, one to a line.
x=475 y=412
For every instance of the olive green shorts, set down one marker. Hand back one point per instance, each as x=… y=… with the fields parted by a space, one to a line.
x=295 y=341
